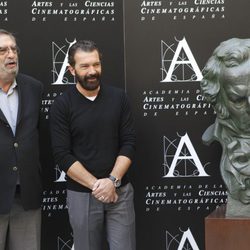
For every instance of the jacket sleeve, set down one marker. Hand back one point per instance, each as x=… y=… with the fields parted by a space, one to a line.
x=127 y=130
x=60 y=134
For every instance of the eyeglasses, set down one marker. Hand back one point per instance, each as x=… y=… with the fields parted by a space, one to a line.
x=5 y=50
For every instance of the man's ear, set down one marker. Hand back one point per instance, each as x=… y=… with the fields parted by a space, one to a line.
x=72 y=70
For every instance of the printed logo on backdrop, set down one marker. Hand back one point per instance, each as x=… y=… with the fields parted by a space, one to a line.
x=60 y=175
x=181 y=159
x=178 y=63
x=54 y=200
x=73 y=11
x=65 y=244
x=182 y=10
x=61 y=74
x=4 y=11
x=181 y=241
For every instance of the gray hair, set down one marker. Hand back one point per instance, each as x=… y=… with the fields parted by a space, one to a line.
x=7 y=33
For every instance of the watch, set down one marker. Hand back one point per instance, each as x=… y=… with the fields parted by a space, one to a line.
x=116 y=181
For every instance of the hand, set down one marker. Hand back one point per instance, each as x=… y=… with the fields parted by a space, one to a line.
x=104 y=190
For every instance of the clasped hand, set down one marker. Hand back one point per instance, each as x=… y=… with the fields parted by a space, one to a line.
x=105 y=191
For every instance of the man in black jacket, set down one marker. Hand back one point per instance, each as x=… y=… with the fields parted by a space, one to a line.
x=93 y=140
x=20 y=183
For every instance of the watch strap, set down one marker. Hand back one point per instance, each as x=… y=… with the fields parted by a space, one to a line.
x=116 y=181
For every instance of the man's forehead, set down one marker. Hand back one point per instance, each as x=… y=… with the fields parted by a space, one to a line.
x=81 y=51
x=84 y=55
x=6 y=39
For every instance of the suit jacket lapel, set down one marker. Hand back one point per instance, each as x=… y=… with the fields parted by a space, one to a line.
x=2 y=117
x=20 y=96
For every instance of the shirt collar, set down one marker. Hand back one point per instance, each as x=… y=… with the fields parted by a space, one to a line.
x=11 y=89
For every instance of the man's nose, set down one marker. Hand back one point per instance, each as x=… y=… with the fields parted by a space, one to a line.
x=11 y=53
x=92 y=70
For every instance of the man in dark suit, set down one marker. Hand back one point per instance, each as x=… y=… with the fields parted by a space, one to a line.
x=20 y=183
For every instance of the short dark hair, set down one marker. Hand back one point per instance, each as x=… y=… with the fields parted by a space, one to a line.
x=84 y=45
x=5 y=32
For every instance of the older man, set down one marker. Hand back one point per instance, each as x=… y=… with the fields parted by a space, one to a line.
x=20 y=184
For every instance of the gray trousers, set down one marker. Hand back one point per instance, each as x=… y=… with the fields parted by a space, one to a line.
x=20 y=230
x=91 y=219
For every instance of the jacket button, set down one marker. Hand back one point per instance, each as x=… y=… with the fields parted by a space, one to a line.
x=16 y=145
x=14 y=168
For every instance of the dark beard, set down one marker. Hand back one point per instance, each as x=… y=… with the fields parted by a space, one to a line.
x=88 y=85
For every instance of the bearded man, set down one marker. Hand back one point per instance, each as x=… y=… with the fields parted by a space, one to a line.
x=93 y=140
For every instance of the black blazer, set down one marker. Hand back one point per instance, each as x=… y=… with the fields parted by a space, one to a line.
x=19 y=154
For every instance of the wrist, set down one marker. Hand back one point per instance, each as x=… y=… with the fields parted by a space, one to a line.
x=115 y=180
x=93 y=185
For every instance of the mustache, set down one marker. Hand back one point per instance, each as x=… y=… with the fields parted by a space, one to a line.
x=10 y=62
x=96 y=75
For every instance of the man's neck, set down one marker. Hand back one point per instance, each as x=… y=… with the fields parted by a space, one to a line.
x=6 y=82
x=87 y=93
